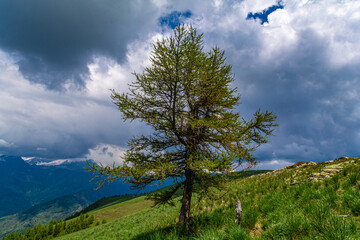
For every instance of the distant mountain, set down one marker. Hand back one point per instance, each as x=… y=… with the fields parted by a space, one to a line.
x=26 y=183
x=36 y=190
x=71 y=164
x=56 y=209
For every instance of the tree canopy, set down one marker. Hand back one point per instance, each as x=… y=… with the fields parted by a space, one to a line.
x=187 y=98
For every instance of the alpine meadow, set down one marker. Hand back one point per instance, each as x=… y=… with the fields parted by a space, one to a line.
x=179 y=120
x=187 y=98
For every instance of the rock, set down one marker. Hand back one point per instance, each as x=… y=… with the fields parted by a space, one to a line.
x=326 y=172
x=331 y=171
x=294 y=182
x=335 y=166
x=305 y=164
x=301 y=164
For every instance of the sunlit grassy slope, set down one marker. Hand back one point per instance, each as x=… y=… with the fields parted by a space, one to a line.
x=113 y=211
x=304 y=201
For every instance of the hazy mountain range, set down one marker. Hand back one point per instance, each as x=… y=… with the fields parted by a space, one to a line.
x=25 y=182
x=36 y=190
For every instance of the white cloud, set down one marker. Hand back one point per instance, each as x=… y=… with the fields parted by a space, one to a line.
x=278 y=36
x=107 y=154
x=106 y=73
x=273 y=164
x=4 y=143
x=258 y=6
x=53 y=124
x=335 y=23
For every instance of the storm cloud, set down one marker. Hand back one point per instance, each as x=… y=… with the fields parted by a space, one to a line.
x=55 y=40
x=302 y=64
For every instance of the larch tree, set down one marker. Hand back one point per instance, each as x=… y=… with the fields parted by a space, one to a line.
x=186 y=97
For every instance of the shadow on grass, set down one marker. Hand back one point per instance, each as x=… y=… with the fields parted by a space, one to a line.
x=171 y=232
x=218 y=224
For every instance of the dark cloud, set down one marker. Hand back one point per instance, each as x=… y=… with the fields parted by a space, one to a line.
x=303 y=65
x=55 y=40
x=310 y=98
x=299 y=67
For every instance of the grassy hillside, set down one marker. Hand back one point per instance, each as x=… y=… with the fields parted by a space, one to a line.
x=24 y=187
x=303 y=201
x=100 y=212
x=59 y=208
x=103 y=203
x=67 y=207
x=118 y=208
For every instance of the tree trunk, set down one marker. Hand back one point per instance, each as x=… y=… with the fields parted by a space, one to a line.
x=186 y=200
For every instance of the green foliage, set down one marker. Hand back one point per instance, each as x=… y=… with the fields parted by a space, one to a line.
x=187 y=99
x=54 y=229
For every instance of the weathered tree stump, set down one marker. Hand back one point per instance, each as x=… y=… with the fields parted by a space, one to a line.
x=238 y=210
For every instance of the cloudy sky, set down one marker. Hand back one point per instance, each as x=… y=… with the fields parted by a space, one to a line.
x=58 y=60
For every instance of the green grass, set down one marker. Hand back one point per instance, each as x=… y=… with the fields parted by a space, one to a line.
x=272 y=209
x=113 y=211
x=103 y=203
x=128 y=226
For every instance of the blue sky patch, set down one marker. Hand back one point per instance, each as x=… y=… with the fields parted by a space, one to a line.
x=263 y=16
x=174 y=18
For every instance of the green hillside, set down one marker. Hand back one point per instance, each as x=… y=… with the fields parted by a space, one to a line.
x=117 y=209
x=42 y=213
x=303 y=201
x=56 y=209
x=103 y=203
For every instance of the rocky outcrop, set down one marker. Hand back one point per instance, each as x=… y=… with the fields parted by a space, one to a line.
x=301 y=172
x=301 y=164
x=326 y=172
